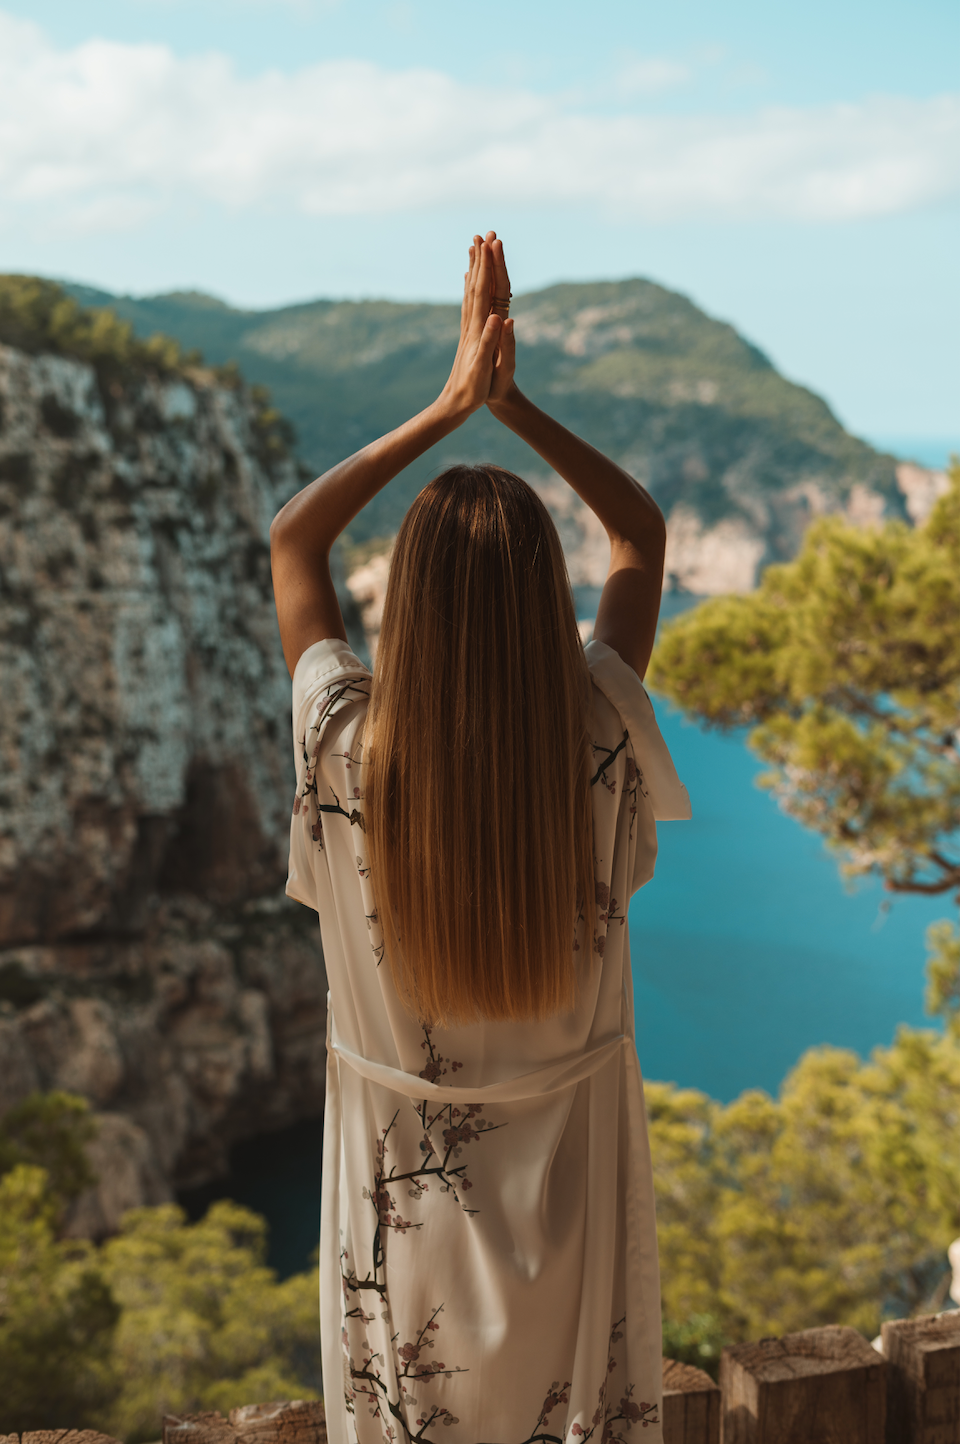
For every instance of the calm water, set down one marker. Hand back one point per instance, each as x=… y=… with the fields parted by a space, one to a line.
x=929 y=451
x=747 y=948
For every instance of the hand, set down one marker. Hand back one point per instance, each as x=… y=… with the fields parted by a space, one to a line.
x=471 y=377
x=505 y=359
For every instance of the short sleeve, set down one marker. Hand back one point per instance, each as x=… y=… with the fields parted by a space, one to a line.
x=331 y=689
x=623 y=689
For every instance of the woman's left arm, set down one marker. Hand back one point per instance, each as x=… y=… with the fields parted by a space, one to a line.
x=304 y=530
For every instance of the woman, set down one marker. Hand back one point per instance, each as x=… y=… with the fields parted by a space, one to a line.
x=470 y=822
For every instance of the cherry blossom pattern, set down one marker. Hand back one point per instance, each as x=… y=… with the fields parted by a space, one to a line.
x=608 y=911
x=338 y=694
x=611 y=1418
x=633 y=783
x=444 y=1135
x=366 y=1383
x=372 y=919
x=436 y=1065
x=457 y=1127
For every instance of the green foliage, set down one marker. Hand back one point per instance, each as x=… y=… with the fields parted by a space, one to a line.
x=204 y=1323
x=38 y=315
x=166 y=1317
x=943 y=975
x=697 y=1340
x=57 y=1315
x=50 y=1131
x=847 y=663
x=273 y=435
x=833 y=1204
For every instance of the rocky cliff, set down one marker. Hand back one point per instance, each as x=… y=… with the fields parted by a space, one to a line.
x=148 y=959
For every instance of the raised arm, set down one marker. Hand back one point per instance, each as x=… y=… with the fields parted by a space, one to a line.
x=630 y=602
x=304 y=530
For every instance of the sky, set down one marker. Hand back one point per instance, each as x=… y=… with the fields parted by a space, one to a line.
x=793 y=169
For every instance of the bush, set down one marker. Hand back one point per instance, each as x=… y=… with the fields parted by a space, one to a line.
x=697 y=1340
x=38 y=315
x=833 y=1204
x=166 y=1317
x=57 y=1315
x=50 y=1130
x=204 y=1323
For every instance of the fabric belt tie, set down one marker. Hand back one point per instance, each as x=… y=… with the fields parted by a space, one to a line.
x=550 y=1079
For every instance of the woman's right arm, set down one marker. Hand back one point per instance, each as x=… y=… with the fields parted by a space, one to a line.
x=630 y=603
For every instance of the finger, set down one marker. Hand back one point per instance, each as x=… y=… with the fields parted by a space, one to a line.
x=465 y=302
x=478 y=250
x=466 y=309
x=489 y=341
x=506 y=357
x=481 y=289
x=485 y=357
x=501 y=281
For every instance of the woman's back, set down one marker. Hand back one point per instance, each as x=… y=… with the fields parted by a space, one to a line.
x=496 y=1187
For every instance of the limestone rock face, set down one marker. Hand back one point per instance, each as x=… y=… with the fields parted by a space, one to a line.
x=148 y=959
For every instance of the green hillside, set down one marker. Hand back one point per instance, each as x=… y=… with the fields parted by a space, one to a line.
x=694 y=410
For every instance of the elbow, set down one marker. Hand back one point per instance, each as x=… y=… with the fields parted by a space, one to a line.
x=648 y=531
x=292 y=534
x=282 y=530
x=276 y=530
x=643 y=542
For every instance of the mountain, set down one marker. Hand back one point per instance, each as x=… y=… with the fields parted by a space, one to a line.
x=738 y=457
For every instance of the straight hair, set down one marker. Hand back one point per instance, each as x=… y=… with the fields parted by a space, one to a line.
x=477 y=791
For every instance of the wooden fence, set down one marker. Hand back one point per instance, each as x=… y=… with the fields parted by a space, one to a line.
x=822 y=1386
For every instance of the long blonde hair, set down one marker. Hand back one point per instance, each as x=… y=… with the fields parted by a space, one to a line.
x=477 y=794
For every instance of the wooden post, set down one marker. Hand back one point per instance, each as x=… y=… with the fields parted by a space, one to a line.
x=58 y=1436
x=923 y=1379
x=822 y=1386
x=297 y=1423
x=278 y=1423
x=691 y=1405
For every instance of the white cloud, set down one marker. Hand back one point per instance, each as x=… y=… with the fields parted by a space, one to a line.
x=650 y=75
x=103 y=135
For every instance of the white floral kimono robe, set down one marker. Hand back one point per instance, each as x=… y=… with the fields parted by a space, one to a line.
x=488 y=1267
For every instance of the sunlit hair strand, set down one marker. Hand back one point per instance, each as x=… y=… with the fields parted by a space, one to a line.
x=476 y=796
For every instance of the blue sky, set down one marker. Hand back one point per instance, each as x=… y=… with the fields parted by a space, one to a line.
x=795 y=170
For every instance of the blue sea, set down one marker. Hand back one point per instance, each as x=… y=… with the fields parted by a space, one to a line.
x=747 y=949
x=928 y=451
